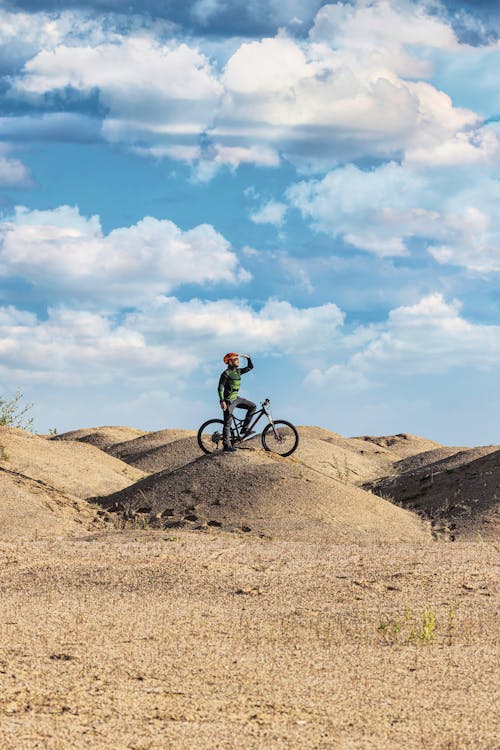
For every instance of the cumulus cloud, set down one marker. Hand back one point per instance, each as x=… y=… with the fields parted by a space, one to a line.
x=355 y=87
x=428 y=337
x=13 y=172
x=75 y=347
x=359 y=85
x=151 y=90
x=24 y=34
x=62 y=251
x=453 y=212
x=277 y=325
x=166 y=336
x=272 y=212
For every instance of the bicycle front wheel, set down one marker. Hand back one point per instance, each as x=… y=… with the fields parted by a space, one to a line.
x=280 y=437
x=210 y=436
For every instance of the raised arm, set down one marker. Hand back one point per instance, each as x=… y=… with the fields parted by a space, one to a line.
x=249 y=365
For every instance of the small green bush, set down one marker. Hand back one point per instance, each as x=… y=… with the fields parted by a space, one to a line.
x=13 y=413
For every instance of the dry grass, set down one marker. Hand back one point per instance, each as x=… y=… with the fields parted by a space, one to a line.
x=186 y=640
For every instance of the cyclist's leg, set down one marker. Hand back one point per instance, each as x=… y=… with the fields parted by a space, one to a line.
x=243 y=403
x=226 y=432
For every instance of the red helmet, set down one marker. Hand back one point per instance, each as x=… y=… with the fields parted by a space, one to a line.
x=228 y=356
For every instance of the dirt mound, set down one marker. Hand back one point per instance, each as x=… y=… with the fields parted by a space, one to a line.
x=31 y=509
x=349 y=460
x=252 y=490
x=169 y=456
x=460 y=493
x=71 y=467
x=441 y=459
x=101 y=437
x=147 y=442
x=421 y=460
x=401 y=445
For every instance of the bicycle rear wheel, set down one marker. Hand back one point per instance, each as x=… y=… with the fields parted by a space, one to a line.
x=210 y=436
x=280 y=437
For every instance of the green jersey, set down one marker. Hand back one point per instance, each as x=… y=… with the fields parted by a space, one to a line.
x=230 y=381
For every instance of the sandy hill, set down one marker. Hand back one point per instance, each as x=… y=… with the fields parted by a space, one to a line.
x=351 y=460
x=31 y=509
x=257 y=491
x=321 y=492
x=460 y=492
x=133 y=448
x=43 y=484
x=169 y=456
x=101 y=437
x=401 y=445
x=422 y=460
x=71 y=467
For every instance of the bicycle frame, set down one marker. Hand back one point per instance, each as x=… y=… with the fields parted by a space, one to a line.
x=237 y=422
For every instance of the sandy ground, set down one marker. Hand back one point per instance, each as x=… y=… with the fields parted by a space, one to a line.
x=304 y=613
x=199 y=640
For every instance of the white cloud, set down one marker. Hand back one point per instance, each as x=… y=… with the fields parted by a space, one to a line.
x=453 y=211
x=359 y=85
x=24 y=35
x=64 y=252
x=276 y=326
x=428 y=337
x=375 y=211
x=467 y=148
x=272 y=212
x=75 y=347
x=13 y=172
x=378 y=27
x=343 y=93
x=151 y=90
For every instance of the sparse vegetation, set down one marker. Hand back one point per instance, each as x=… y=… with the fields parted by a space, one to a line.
x=343 y=470
x=13 y=413
x=408 y=629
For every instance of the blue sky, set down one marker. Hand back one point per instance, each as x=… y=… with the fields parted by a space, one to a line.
x=313 y=183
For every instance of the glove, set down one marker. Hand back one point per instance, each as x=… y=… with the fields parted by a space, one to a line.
x=245 y=355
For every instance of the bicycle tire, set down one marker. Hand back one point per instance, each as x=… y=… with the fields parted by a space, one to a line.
x=210 y=438
x=289 y=438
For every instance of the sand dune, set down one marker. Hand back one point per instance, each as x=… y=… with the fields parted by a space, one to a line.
x=69 y=467
x=322 y=492
x=44 y=483
x=169 y=456
x=31 y=509
x=401 y=445
x=147 y=442
x=101 y=437
x=460 y=492
x=306 y=612
x=257 y=491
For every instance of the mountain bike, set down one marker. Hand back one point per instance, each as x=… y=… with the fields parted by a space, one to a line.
x=279 y=436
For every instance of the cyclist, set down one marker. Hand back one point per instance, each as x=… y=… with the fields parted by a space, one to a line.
x=229 y=386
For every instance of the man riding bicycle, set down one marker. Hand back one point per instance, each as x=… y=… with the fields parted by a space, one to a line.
x=229 y=386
